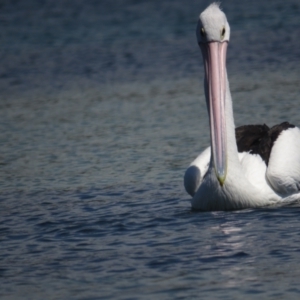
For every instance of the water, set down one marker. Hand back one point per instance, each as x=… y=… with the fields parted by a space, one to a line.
x=102 y=110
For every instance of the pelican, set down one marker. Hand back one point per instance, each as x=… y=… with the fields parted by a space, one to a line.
x=246 y=167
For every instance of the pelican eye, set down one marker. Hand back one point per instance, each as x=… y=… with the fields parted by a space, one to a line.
x=223 y=31
x=202 y=31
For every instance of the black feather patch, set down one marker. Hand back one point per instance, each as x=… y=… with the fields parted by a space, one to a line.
x=259 y=139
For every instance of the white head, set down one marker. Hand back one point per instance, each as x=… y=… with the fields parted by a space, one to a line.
x=212 y=25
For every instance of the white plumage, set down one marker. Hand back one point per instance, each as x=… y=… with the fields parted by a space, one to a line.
x=283 y=171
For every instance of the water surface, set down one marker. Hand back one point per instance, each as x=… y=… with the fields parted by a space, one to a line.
x=102 y=109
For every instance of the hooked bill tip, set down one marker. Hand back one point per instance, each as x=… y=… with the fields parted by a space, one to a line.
x=221 y=176
x=221 y=181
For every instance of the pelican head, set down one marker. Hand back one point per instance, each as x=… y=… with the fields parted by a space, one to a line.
x=213 y=35
x=212 y=25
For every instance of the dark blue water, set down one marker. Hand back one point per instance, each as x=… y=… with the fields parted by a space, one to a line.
x=101 y=111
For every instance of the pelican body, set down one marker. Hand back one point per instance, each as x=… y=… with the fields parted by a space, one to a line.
x=246 y=167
